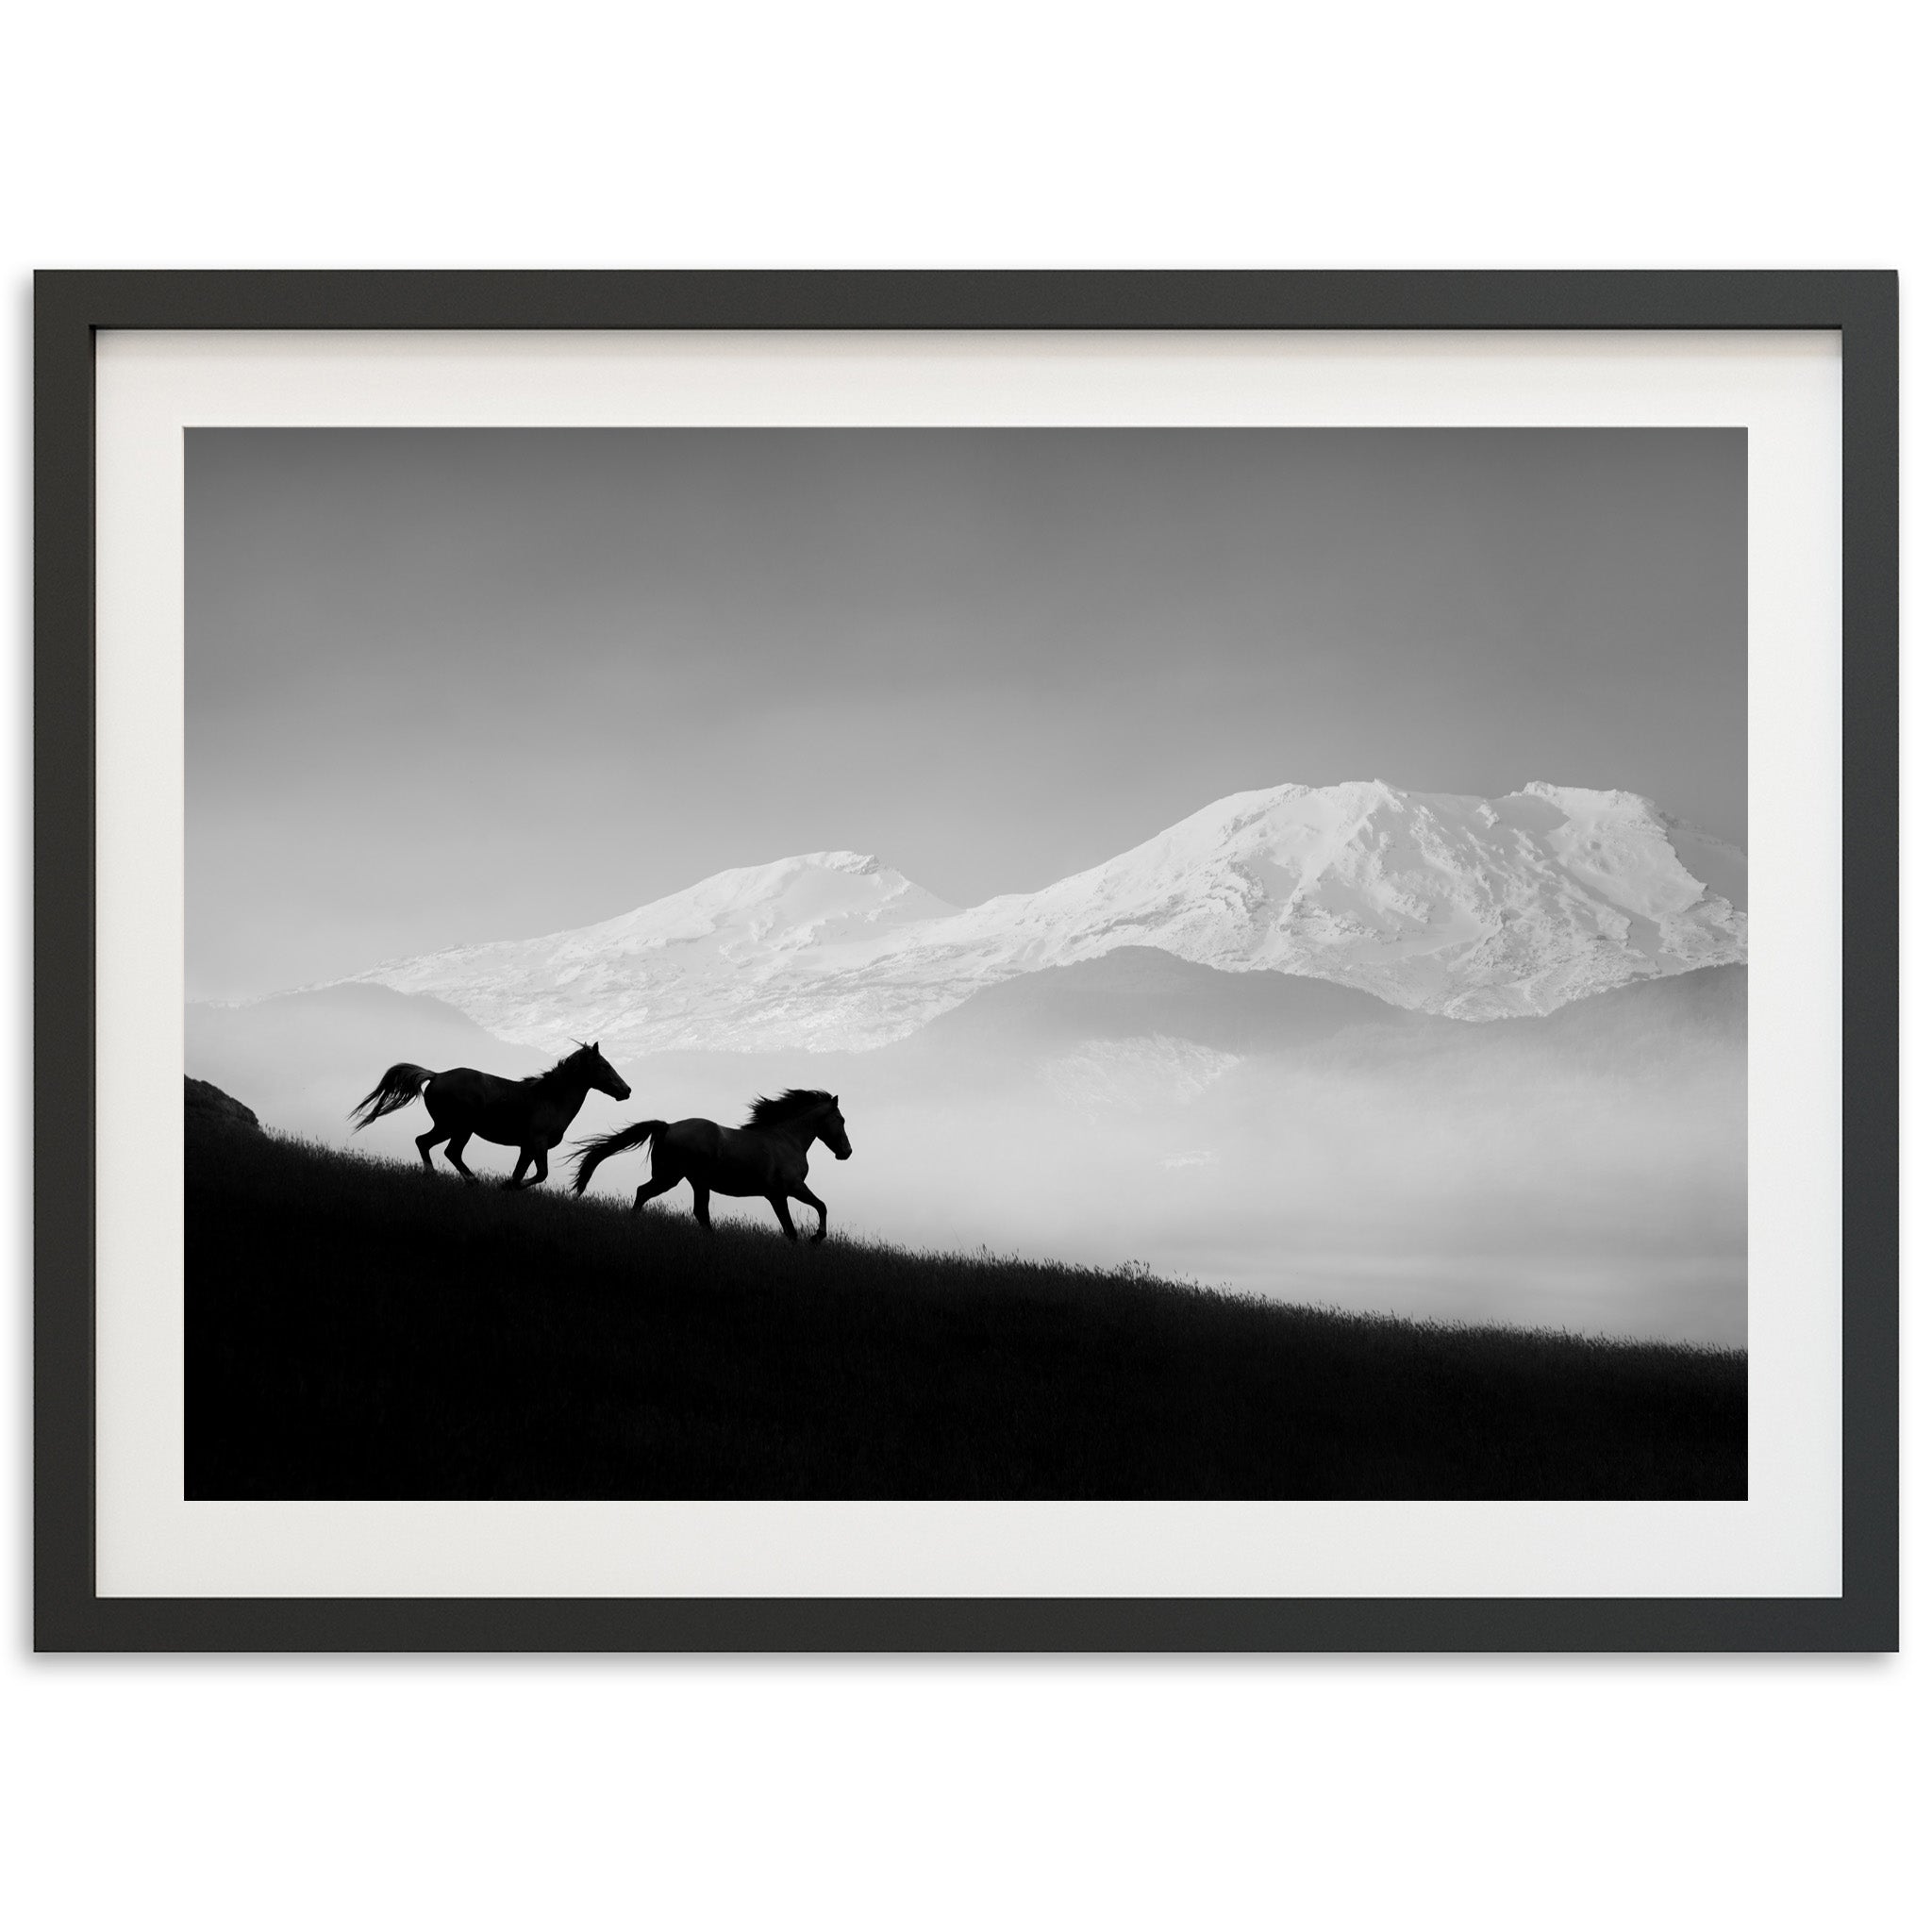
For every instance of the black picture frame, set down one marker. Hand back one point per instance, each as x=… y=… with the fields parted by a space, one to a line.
x=73 y=307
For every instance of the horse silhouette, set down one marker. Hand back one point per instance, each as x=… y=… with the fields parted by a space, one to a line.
x=531 y=1115
x=765 y=1158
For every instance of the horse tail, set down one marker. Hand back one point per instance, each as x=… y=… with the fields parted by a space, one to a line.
x=397 y=1088
x=592 y=1154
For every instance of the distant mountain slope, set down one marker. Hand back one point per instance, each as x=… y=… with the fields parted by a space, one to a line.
x=1707 y=1006
x=317 y=1024
x=1661 y=1034
x=1469 y=908
x=1139 y=992
x=309 y=1055
x=745 y=958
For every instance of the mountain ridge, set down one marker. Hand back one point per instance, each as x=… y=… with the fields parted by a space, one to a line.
x=1469 y=908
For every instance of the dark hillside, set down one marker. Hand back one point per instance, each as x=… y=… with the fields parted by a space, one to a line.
x=356 y=1329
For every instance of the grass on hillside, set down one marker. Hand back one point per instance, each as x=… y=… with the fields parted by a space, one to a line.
x=359 y=1329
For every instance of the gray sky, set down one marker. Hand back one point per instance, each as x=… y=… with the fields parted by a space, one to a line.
x=447 y=686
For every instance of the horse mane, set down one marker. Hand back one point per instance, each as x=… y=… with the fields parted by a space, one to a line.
x=788 y=1106
x=578 y=1053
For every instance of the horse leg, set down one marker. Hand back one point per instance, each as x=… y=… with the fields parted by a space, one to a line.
x=649 y=1191
x=516 y=1179
x=802 y=1193
x=701 y=1205
x=454 y=1155
x=425 y=1142
x=784 y=1214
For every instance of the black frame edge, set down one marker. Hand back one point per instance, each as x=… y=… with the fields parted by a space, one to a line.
x=1871 y=960
x=967 y=298
x=65 y=1607
x=897 y=1625
x=70 y=304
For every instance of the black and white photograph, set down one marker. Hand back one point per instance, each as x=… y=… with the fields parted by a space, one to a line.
x=958 y=968
x=999 y=963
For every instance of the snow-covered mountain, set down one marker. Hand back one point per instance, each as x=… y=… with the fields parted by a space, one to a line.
x=1469 y=908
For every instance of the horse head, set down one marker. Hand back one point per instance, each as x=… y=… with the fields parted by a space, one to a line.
x=602 y=1074
x=832 y=1131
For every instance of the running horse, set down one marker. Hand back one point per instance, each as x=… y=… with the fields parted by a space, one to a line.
x=763 y=1159
x=531 y=1115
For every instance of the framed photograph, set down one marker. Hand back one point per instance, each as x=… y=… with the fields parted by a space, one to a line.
x=966 y=962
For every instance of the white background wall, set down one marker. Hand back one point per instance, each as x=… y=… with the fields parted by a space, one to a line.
x=1340 y=1791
